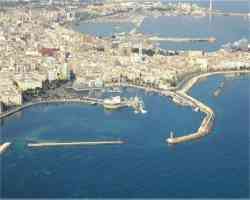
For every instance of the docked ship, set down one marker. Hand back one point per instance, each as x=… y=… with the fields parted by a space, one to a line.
x=114 y=103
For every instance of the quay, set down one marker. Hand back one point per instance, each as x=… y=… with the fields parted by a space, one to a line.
x=169 y=39
x=54 y=144
x=4 y=147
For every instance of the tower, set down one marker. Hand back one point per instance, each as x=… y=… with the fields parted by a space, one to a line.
x=211 y=5
x=140 y=52
x=171 y=134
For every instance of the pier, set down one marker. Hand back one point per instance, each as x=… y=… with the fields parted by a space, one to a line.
x=169 y=39
x=238 y=14
x=61 y=144
x=4 y=147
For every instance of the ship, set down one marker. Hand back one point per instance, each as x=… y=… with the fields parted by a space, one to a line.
x=114 y=103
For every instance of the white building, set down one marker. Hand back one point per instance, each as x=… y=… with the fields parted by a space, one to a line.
x=52 y=75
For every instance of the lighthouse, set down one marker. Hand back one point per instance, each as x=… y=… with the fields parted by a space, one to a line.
x=211 y=5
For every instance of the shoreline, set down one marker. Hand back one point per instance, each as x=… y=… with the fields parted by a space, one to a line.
x=179 y=94
x=30 y=104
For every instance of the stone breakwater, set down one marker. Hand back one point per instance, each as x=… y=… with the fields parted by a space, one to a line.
x=182 y=96
x=54 y=144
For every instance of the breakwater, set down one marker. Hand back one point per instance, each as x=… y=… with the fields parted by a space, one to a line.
x=55 y=144
x=169 y=39
x=4 y=147
x=207 y=123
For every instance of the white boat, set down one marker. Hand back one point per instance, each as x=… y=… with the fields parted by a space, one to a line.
x=113 y=103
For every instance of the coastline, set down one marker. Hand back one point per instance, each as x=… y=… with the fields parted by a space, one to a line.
x=30 y=104
x=180 y=93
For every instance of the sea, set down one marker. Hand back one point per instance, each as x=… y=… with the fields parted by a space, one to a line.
x=145 y=166
x=224 y=28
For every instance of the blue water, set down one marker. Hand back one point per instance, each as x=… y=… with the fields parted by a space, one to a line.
x=215 y=166
x=224 y=28
x=102 y=29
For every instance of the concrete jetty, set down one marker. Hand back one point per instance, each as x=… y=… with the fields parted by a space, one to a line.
x=169 y=39
x=54 y=144
x=237 y=14
x=4 y=147
x=206 y=124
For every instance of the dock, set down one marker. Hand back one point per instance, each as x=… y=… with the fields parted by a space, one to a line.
x=4 y=147
x=61 y=144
